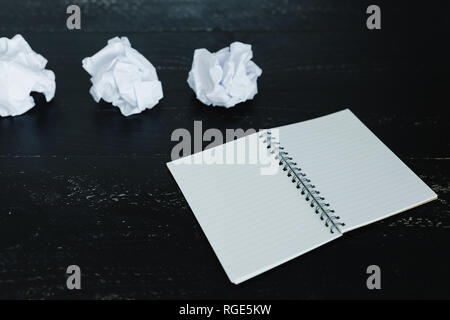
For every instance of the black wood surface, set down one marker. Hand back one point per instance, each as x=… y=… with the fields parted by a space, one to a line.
x=81 y=184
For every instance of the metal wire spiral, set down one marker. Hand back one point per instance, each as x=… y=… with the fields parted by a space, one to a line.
x=303 y=183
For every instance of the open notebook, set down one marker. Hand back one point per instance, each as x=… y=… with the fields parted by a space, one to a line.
x=312 y=182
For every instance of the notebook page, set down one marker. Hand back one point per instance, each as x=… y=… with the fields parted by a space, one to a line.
x=357 y=174
x=253 y=222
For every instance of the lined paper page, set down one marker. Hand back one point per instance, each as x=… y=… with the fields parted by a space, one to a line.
x=253 y=222
x=357 y=174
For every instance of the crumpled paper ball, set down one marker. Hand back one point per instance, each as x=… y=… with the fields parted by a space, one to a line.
x=226 y=77
x=22 y=71
x=123 y=77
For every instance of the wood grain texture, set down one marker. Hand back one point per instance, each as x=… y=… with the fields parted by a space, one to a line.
x=123 y=220
x=197 y=15
x=83 y=185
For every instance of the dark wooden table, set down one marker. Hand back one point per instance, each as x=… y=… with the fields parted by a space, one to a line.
x=81 y=184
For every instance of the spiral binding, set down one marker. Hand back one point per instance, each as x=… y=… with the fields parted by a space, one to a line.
x=302 y=182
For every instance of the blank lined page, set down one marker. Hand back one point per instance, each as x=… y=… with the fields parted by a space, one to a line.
x=253 y=222
x=357 y=174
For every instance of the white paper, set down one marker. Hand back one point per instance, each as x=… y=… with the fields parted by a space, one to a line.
x=224 y=78
x=22 y=71
x=358 y=175
x=254 y=222
x=123 y=77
